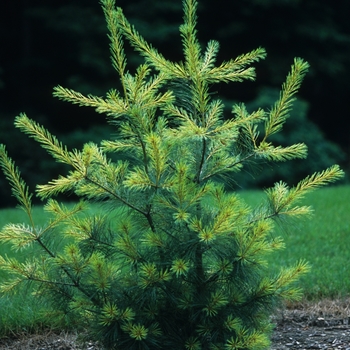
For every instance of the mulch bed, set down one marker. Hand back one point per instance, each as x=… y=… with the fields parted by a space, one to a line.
x=324 y=325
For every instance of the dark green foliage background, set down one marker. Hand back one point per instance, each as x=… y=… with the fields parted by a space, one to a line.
x=64 y=42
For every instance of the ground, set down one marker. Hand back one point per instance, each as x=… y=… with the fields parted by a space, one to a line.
x=324 y=325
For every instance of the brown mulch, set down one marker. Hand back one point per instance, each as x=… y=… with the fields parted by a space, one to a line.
x=48 y=341
x=324 y=325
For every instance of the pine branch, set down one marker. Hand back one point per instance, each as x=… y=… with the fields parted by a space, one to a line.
x=153 y=57
x=267 y=151
x=282 y=199
x=191 y=46
x=18 y=235
x=60 y=185
x=117 y=146
x=142 y=92
x=48 y=142
x=242 y=117
x=209 y=58
x=18 y=186
x=61 y=213
x=287 y=276
x=116 y=41
x=310 y=183
x=281 y=109
x=113 y=107
x=198 y=176
x=234 y=70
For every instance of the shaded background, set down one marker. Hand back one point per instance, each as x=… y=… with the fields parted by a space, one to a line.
x=61 y=42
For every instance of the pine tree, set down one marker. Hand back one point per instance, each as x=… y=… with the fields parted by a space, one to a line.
x=173 y=259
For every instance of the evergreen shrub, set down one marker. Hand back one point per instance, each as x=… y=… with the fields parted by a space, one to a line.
x=172 y=259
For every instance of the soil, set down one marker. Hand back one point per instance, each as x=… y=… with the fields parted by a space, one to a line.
x=324 y=325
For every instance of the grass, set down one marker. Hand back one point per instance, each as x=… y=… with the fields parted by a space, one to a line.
x=323 y=240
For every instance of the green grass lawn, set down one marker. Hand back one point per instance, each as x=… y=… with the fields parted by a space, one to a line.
x=323 y=240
